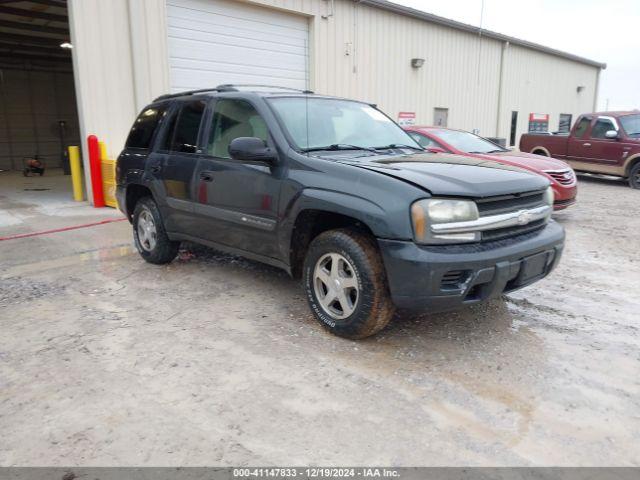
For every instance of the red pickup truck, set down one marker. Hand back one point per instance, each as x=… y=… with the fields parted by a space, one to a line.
x=607 y=142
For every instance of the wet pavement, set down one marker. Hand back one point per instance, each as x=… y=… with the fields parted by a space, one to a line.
x=215 y=360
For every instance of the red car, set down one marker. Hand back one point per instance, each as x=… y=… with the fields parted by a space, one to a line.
x=441 y=140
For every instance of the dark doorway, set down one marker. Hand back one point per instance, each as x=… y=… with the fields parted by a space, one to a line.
x=514 y=128
x=38 y=110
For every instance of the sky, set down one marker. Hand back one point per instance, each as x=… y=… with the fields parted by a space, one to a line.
x=605 y=31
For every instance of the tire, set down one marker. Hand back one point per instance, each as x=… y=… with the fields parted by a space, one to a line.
x=542 y=153
x=634 y=176
x=149 y=234
x=361 y=278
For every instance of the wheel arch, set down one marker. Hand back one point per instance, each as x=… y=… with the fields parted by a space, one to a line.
x=133 y=193
x=317 y=211
x=544 y=150
x=632 y=161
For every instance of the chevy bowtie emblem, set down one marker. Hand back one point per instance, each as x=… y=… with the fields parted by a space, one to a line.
x=524 y=217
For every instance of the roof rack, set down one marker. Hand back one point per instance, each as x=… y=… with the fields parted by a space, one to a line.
x=232 y=87
x=227 y=87
x=188 y=92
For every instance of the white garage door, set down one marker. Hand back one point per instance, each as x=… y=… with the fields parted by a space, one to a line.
x=212 y=42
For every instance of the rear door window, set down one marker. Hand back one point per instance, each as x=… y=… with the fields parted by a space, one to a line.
x=141 y=133
x=583 y=126
x=185 y=136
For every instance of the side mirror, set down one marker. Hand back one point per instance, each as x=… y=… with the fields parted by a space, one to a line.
x=435 y=150
x=611 y=134
x=251 y=149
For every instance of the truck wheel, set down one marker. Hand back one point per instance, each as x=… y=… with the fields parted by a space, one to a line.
x=634 y=176
x=149 y=234
x=346 y=284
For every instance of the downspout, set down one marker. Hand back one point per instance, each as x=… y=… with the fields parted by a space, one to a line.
x=597 y=92
x=505 y=46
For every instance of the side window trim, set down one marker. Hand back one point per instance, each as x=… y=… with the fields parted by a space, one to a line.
x=160 y=134
x=205 y=126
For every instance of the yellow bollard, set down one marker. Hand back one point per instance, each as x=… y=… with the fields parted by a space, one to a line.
x=76 y=173
x=108 y=167
x=103 y=150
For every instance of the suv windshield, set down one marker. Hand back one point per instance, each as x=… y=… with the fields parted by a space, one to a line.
x=467 y=142
x=631 y=125
x=314 y=123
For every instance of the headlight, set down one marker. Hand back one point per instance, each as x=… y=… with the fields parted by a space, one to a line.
x=549 y=196
x=425 y=213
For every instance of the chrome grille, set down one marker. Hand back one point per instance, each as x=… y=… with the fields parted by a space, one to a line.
x=500 y=217
x=509 y=203
x=563 y=177
x=501 y=233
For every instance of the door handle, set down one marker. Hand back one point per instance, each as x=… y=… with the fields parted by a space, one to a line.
x=207 y=177
x=156 y=168
x=586 y=144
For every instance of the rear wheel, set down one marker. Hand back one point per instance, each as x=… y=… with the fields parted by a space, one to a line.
x=540 y=152
x=346 y=284
x=149 y=234
x=634 y=176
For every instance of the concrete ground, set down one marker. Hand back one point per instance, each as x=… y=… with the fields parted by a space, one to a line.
x=215 y=360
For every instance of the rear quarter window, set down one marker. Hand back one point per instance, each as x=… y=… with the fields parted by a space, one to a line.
x=141 y=133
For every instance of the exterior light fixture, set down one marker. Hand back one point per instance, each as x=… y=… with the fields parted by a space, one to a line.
x=66 y=45
x=417 y=62
x=580 y=88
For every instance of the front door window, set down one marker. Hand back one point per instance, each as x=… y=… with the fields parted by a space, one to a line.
x=233 y=119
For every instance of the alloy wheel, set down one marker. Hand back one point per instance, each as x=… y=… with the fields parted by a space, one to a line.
x=147 y=233
x=336 y=285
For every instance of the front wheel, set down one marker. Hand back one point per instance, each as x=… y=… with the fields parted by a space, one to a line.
x=149 y=234
x=346 y=284
x=634 y=176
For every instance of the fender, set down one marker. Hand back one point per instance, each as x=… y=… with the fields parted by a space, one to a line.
x=382 y=223
x=135 y=177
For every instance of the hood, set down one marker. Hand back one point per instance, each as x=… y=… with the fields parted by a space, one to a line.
x=454 y=175
x=527 y=160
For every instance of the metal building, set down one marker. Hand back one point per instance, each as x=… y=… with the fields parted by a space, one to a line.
x=415 y=66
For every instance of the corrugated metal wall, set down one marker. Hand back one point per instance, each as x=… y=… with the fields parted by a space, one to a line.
x=364 y=52
x=540 y=83
x=358 y=51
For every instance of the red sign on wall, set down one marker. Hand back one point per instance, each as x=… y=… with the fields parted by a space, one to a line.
x=406 y=119
x=539 y=117
x=538 y=122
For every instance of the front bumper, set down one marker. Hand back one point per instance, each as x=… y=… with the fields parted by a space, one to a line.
x=440 y=278
x=564 y=195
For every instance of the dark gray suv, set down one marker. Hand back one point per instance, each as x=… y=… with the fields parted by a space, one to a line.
x=334 y=192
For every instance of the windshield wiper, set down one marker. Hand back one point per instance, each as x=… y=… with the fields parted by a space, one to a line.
x=398 y=145
x=498 y=151
x=336 y=147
